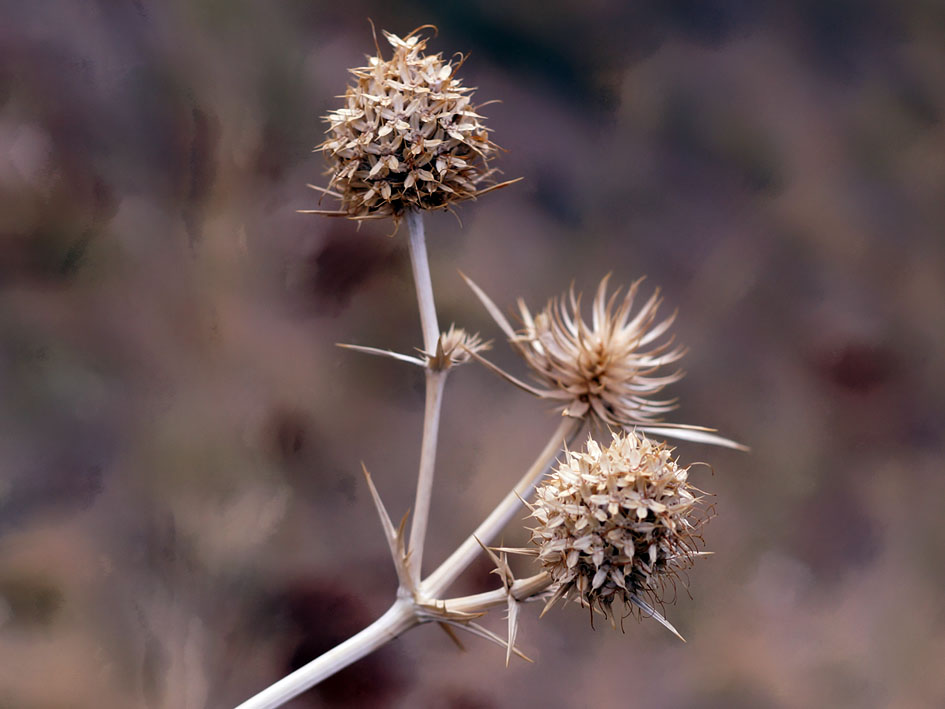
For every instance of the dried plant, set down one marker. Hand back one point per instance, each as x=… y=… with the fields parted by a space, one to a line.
x=616 y=524
x=408 y=137
x=604 y=369
x=612 y=524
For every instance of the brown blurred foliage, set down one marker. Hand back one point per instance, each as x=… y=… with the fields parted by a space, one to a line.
x=182 y=518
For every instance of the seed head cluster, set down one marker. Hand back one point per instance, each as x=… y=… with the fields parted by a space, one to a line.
x=454 y=348
x=605 y=368
x=615 y=523
x=407 y=137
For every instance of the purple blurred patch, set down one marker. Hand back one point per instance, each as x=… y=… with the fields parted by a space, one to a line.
x=322 y=615
x=345 y=264
x=858 y=367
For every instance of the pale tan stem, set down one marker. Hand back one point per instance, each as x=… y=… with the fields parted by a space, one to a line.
x=421 y=278
x=403 y=614
x=434 y=585
x=436 y=381
x=521 y=590
x=399 y=618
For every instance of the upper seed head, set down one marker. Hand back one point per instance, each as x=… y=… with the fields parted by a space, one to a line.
x=407 y=137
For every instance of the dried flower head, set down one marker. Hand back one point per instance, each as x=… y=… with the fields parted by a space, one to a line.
x=407 y=137
x=605 y=368
x=454 y=347
x=615 y=524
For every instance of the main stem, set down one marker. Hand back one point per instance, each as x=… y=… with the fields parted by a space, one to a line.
x=457 y=562
x=421 y=277
x=399 y=618
x=435 y=382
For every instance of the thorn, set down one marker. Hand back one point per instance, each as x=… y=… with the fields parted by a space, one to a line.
x=655 y=615
x=555 y=597
x=452 y=635
x=395 y=539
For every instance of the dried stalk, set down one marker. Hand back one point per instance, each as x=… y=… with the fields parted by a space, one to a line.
x=384 y=167
x=521 y=590
x=457 y=562
x=410 y=609
x=421 y=277
x=435 y=383
x=399 y=618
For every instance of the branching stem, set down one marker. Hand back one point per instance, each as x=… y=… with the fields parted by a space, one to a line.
x=521 y=590
x=411 y=608
x=449 y=570
x=399 y=618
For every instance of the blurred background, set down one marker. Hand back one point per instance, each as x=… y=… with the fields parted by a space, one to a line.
x=182 y=514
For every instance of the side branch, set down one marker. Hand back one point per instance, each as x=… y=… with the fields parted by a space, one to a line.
x=434 y=585
x=521 y=590
x=399 y=618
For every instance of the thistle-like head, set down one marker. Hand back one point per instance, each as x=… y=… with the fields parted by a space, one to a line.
x=606 y=367
x=408 y=136
x=616 y=523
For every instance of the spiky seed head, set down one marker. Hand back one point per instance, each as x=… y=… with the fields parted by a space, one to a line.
x=455 y=347
x=616 y=523
x=606 y=368
x=408 y=136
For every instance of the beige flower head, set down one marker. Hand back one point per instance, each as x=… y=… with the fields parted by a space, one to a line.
x=606 y=368
x=455 y=347
x=616 y=523
x=408 y=136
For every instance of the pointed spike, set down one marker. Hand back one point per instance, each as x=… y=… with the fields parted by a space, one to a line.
x=555 y=597
x=381 y=510
x=541 y=394
x=491 y=307
x=697 y=434
x=524 y=551
x=492 y=556
x=655 y=615
x=499 y=186
x=525 y=502
x=513 y=628
x=381 y=353
x=487 y=634
x=452 y=635
x=330 y=193
x=395 y=540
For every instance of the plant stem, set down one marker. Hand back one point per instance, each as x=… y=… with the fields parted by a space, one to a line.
x=434 y=585
x=402 y=615
x=436 y=381
x=399 y=618
x=521 y=590
x=421 y=277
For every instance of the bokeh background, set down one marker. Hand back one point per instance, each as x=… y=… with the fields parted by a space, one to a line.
x=182 y=517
